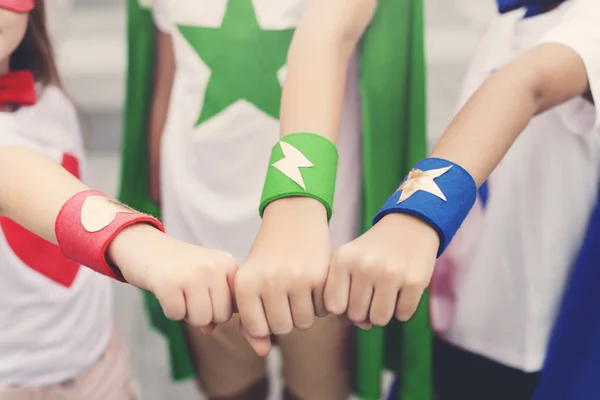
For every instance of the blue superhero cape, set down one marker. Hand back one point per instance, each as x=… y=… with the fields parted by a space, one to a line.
x=571 y=370
x=572 y=367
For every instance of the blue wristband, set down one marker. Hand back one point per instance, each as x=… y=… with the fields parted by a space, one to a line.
x=437 y=191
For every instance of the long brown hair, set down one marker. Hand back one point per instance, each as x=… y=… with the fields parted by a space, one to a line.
x=36 y=55
x=35 y=51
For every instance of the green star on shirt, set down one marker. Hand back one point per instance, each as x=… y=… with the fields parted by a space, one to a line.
x=244 y=60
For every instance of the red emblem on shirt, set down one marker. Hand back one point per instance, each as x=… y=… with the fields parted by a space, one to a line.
x=38 y=253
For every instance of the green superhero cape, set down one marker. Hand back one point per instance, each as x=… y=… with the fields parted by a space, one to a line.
x=134 y=164
x=392 y=86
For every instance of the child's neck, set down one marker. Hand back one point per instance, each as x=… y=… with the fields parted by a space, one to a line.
x=5 y=69
x=4 y=66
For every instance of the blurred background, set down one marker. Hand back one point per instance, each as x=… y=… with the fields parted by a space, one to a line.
x=89 y=38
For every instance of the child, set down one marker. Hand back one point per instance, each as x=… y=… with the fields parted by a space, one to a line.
x=497 y=289
x=225 y=61
x=58 y=338
x=290 y=256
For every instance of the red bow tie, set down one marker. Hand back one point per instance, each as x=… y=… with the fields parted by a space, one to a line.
x=18 y=88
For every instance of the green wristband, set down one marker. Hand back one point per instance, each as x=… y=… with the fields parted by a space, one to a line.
x=301 y=164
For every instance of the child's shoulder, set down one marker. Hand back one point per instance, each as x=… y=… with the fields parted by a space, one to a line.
x=160 y=11
x=52 y=96
x=52 y=120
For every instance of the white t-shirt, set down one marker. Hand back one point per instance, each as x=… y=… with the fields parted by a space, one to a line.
x=497 y=289
x=213 y=167
x=55 y=316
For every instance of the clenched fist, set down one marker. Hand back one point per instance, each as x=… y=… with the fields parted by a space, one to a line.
x=383 y=272
x=190 y=282
x=280 y=287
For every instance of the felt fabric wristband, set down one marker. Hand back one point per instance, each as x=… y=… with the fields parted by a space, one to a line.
x=88 y=222
x=437 y=191
x=301 y=164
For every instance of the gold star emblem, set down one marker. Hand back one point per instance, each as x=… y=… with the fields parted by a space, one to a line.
x=422 y=180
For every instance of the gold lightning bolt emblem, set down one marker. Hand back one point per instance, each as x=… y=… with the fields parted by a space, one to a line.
x=291 y=163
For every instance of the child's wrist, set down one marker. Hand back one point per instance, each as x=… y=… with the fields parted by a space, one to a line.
x=439 y=193
x=139 y=236
x=88 y=223
x=417 y=226
x=292 y=206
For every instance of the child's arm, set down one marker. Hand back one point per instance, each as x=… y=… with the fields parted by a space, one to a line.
x=318 y=59
x=189 y=281
x=398 y=254
x=290 y=256
x=28 y=196
x=488 y=124
x=163 y=81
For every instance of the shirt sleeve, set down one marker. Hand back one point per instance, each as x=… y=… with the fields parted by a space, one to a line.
x=160 y=10
x=579 y=29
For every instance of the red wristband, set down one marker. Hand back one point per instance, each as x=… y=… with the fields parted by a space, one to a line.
x=88 y=222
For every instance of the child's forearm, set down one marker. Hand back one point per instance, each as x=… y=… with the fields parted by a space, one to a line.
x=313 y=93
x=317 y=64
x=33 y=189
x=491 y=120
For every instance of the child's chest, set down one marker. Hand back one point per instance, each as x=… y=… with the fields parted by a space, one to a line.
x=230 y=49
x=247 y=37
x=49 y=128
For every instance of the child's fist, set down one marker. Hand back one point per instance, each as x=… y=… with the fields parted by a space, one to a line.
x=382 y=273
x=190 y=282
x=280 y=286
